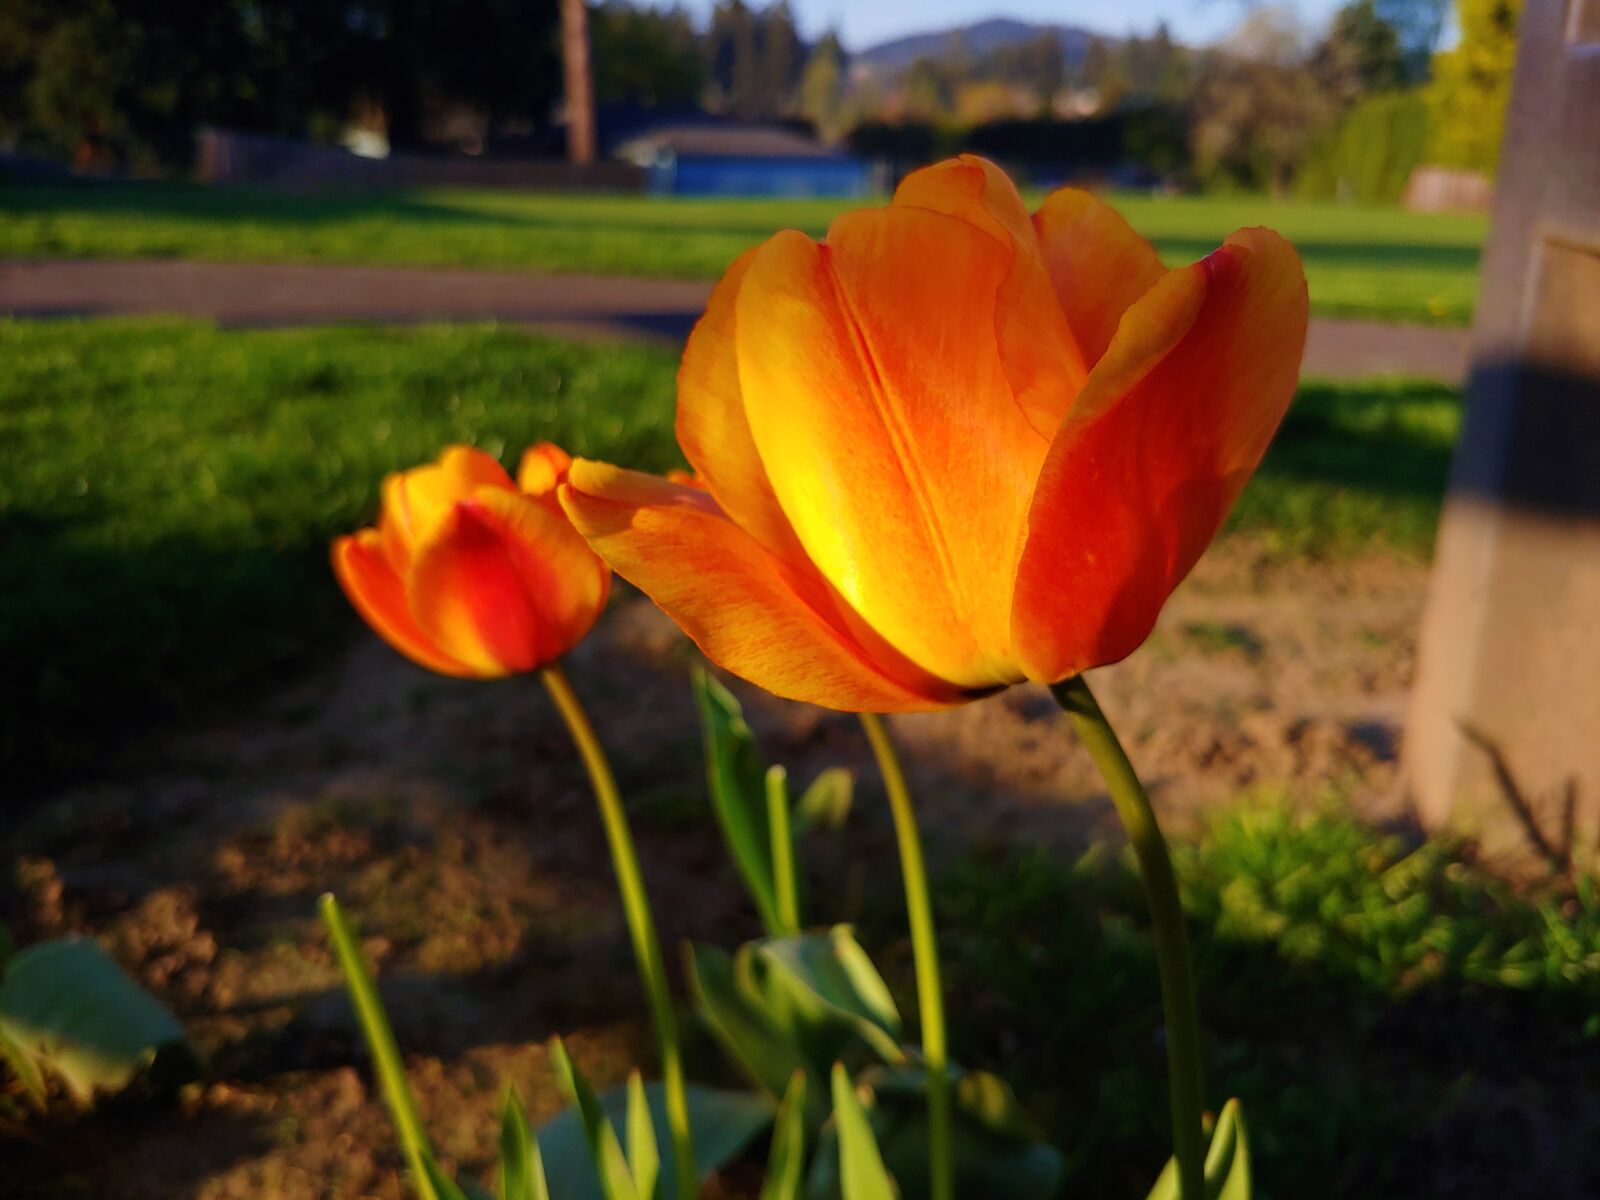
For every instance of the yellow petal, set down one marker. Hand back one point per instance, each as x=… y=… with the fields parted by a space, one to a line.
x=746 y=610
x=882 y=412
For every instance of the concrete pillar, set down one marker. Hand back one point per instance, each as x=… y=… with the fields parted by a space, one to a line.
x=1506 y=708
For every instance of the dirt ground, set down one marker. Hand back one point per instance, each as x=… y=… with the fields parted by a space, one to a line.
x=455 y=824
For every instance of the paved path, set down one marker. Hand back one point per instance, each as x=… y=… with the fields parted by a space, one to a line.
x=259 y=294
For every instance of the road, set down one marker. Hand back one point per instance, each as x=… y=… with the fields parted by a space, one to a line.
x=253 y=295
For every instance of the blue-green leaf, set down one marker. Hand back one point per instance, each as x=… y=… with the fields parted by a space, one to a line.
x=826 y=803
x=605 y=1150
x=861 y=1171
x=737 y=779
x=67 y=1008
x=521 y=1166
x=816 y=986
x=740 y=1022
x=788 y=1156
x=644 y=1154
x=1227 y=1171
x=724 y=1124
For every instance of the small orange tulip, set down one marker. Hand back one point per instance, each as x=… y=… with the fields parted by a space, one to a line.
x=469 y=574
x=953 y=446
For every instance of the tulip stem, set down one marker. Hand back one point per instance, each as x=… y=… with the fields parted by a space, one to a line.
x=641 y=925
x=925 y=953
x=1178 y=1002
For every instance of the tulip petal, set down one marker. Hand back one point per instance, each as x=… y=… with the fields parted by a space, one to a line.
x=1174 y=419
x=415 y=501
x=1041 y=355
x=566 y=582
x=471 y=592
x=1097 y=264
x=542 y=469
x=746 y=610
x=883 y=415
x=712 y=428
x=364 y=572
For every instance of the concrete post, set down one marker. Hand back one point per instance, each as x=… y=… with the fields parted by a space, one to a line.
x=1506 y=710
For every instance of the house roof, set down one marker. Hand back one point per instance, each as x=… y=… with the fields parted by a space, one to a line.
x=724 y=139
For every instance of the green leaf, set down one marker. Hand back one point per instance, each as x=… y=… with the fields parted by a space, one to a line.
x=8 y=949
x=27 y=1070
x=644 y=1155
x=788 y=1156
x=605 y=1151
x=67 y=1008
x=1227 y=1171
x=800 y=1002
x=997 y=1149
x=521 y=1166
x=826 y=803
x=747 y=1032
x=724 y=1124
x=430 y=1182
x=861 y=1171
x=1228 y=1160
x=737 y=779
x=822 y=990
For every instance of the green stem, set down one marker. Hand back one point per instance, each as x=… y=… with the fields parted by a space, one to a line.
x=782 y=840
x=1166 y=919
x=641 y=926
x=385 y=1053
x=925 y=952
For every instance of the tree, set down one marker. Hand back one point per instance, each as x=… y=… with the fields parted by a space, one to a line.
x=822 y=88
x=645 y=56
x=1257 y=105
x=1472 y=86
x=128 y=81
x=1360 y=54
x=1418 y=24
x=578 y=78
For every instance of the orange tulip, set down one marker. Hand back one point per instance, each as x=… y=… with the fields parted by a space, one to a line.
x=953 y=446
x=469 y=574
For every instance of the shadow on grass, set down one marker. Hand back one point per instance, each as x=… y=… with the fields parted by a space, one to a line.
x=104 y=633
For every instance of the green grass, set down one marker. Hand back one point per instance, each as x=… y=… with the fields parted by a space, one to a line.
x=1394 y=1017
x=171 y=489
x=1377 y=263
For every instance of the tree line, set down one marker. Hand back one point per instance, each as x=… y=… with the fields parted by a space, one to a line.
x=1347 y=110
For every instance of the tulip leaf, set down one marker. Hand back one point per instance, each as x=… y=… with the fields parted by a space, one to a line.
x=605 y=1150
x=429 y=1180
x=997 y=1149
x=826 y=803
x=644 y=1154
x=521 y=1165
x=862 y=1175
x=1227 y=1170
x=724 y=1123
x=737 y=779
x=819 y=986
x=740 y=1022
x=788 y=1156
x=67 y=1008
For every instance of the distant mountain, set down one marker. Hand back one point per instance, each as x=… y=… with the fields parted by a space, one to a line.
x=976 y=39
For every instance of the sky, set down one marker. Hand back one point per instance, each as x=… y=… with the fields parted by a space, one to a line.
x=863 y=23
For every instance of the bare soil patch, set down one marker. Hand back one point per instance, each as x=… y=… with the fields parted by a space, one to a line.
x=455 y=824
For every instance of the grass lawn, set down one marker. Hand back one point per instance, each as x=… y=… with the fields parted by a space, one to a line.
x=1377 y=263
x=171 y=488
x=1396 y=1020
